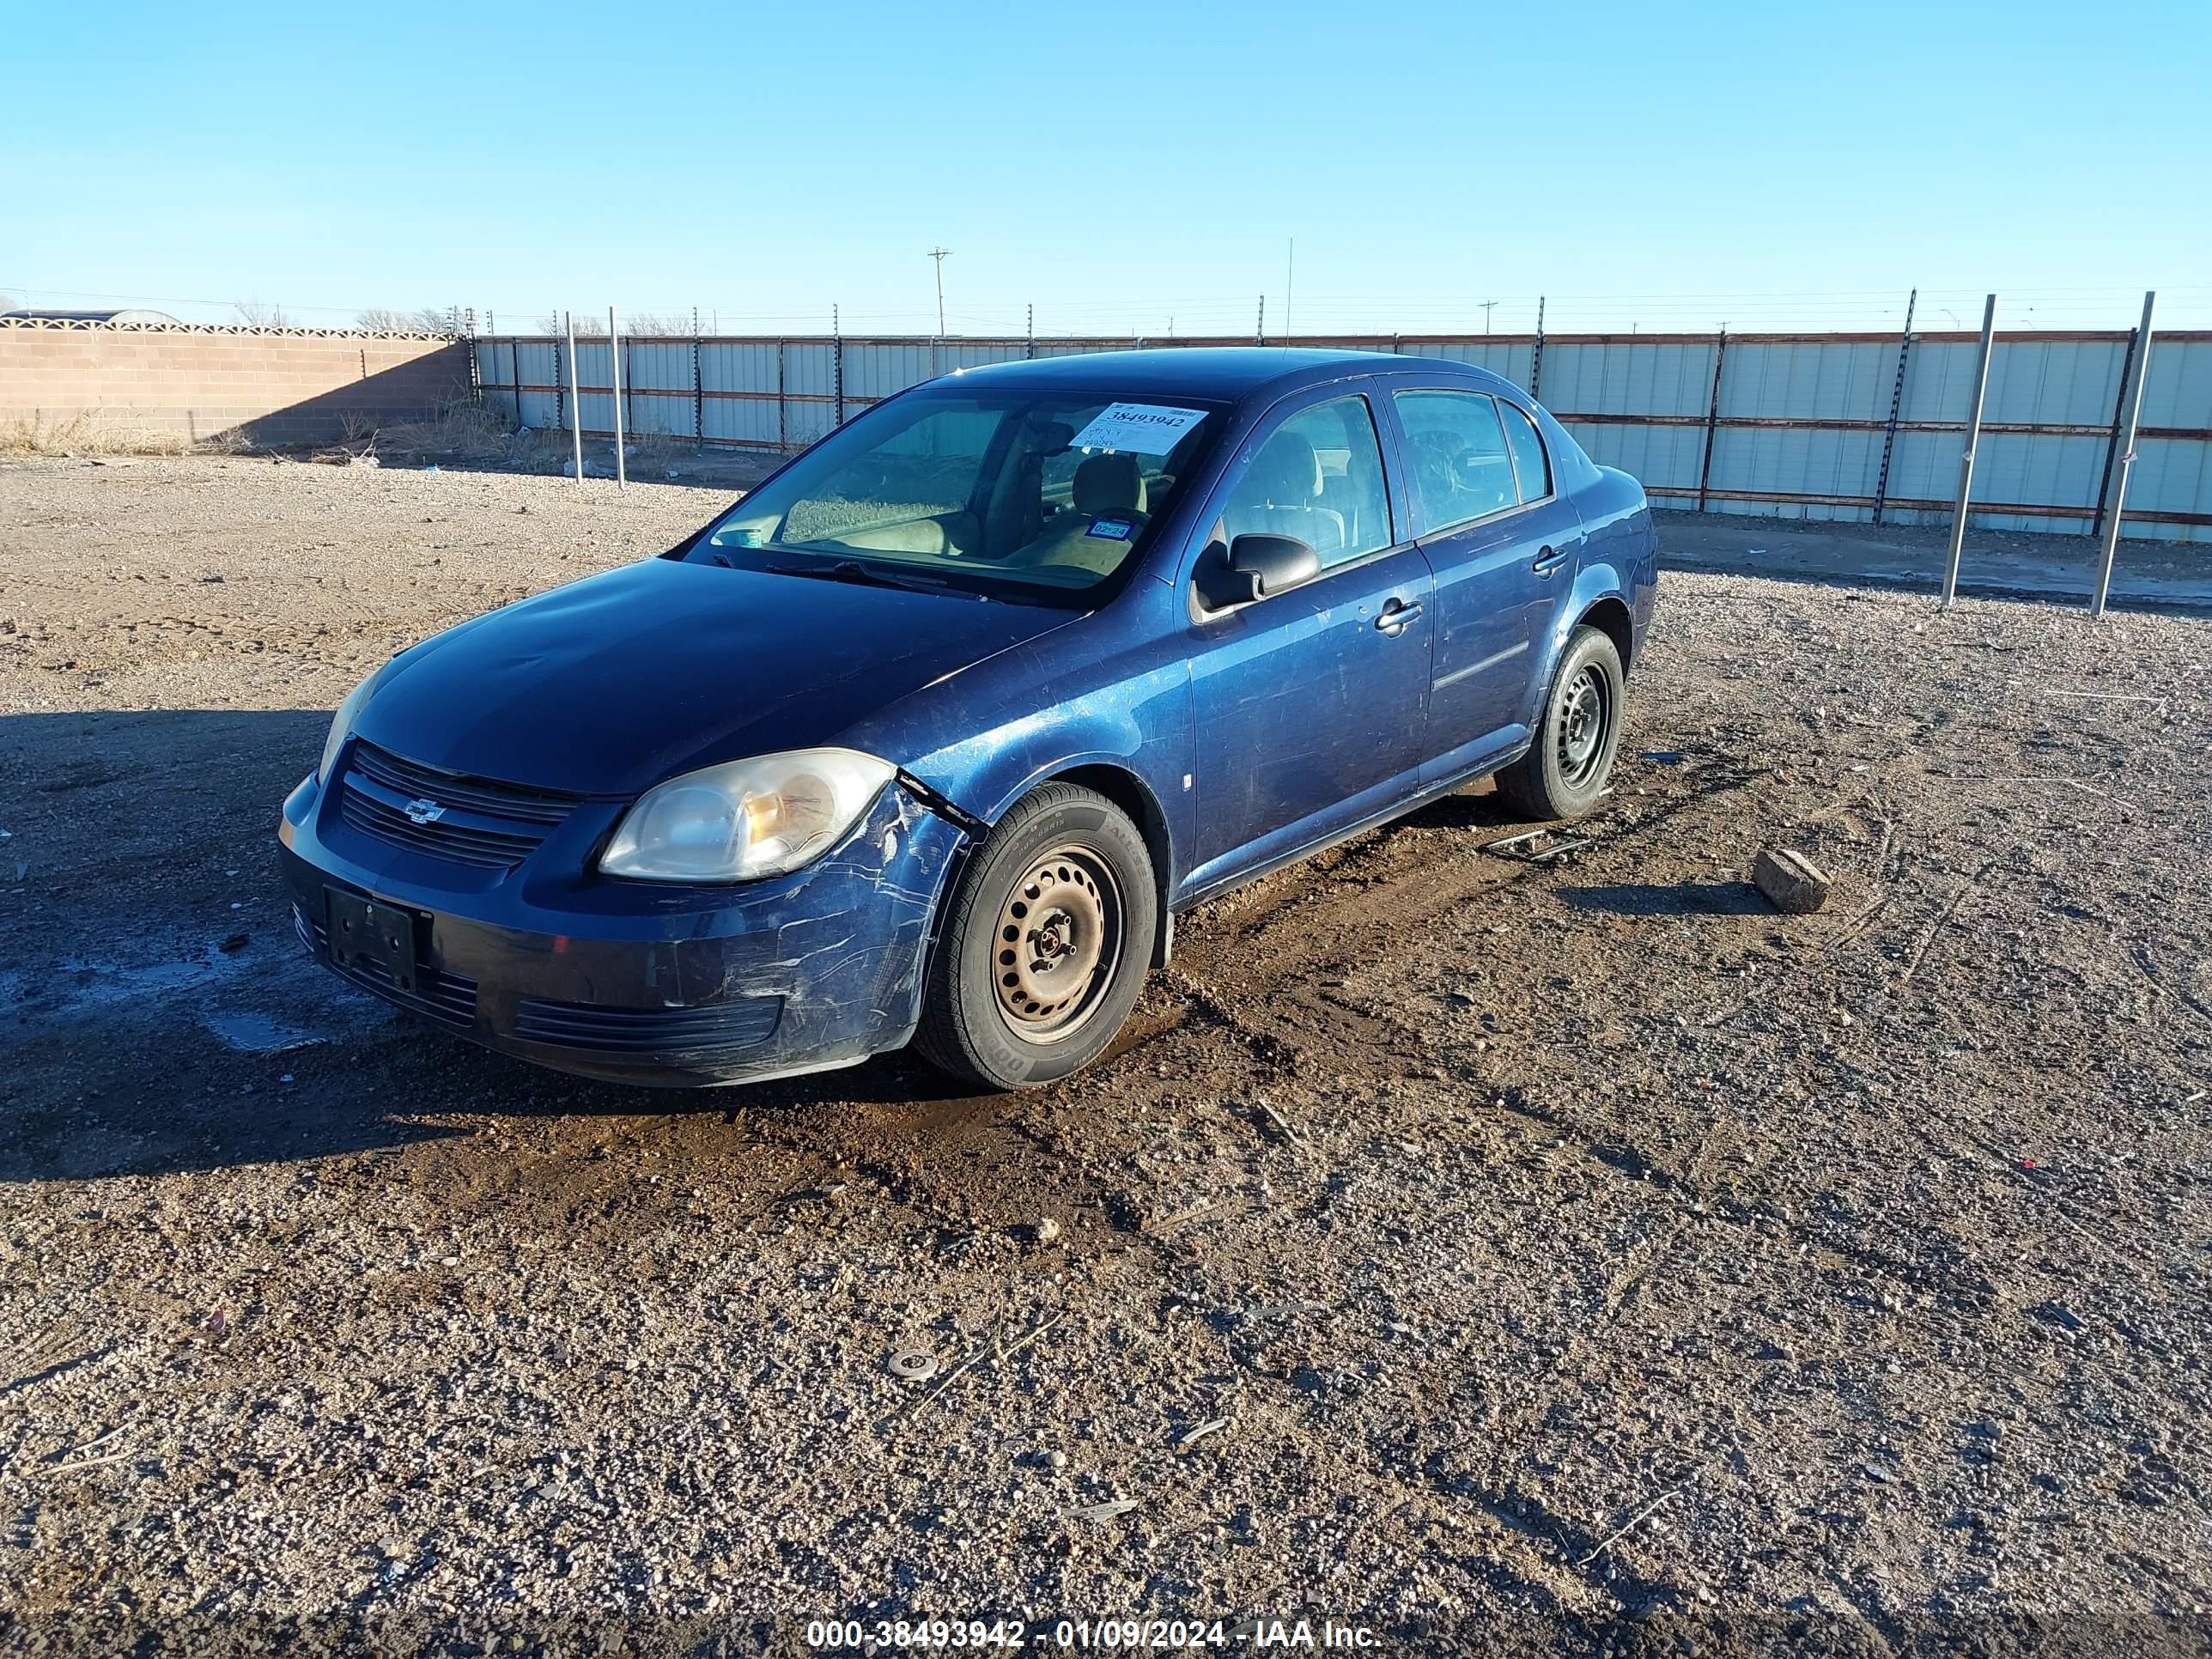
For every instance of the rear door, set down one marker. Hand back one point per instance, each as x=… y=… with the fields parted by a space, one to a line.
x=1503 y=545
x=1309 y=703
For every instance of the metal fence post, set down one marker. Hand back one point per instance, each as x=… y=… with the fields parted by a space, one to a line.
x=1536 y=362
x=2112 y=438
x=575 y=399
x=782 y=429
x=1029 y=328
x=2127 y=459
x=1712 y=417
x=1896 y=405
x=614 y=371
x=1966 y=456
x=837 y=363
x=1259 y=331
x=515 y=362
x=698 y=389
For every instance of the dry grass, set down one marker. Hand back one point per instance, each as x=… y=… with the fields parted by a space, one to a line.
x=463 y=432
x=89 y=432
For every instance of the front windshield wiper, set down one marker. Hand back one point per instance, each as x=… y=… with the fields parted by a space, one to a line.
x=852 y=570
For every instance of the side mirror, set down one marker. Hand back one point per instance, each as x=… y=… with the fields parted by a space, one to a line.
x=1254 y=567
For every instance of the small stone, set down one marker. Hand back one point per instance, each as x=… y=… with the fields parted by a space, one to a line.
x=1057 y=1459
x=912 y=1364
x=1112 y=1510
x=1790 y=880
x=1045 y=1230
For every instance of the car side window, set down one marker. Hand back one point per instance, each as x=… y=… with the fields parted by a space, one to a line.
x=1529 y=461
x=1460 y=466
x=1317 y=476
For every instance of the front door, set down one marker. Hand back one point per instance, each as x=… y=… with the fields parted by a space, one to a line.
x=1503 y=545
x=1309 y=703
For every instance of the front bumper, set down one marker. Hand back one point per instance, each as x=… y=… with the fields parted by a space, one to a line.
x=642 y=982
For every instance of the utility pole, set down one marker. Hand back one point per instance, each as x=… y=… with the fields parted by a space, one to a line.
x=1488 y=305
x=1290 y=271
x=937 y=254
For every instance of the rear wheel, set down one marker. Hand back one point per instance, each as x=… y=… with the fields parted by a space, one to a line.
x=1045 y=944
x=1568 y=766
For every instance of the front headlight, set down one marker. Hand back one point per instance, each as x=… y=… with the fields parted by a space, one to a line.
x=342 y=724
x=747 y=819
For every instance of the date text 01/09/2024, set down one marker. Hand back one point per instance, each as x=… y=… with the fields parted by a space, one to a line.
x=1119 y=1634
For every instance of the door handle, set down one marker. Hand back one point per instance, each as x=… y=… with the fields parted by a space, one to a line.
x=1549 y=559
x=1398 y=616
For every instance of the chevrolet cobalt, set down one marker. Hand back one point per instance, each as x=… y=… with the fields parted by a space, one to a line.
x=928 y=738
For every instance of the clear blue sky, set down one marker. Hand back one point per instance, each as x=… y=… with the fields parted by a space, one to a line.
x=1120 y=166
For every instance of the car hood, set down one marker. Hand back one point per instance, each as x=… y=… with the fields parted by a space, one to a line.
x=609 y=685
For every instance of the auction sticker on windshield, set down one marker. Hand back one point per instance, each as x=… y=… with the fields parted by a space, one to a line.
x=1148 y=428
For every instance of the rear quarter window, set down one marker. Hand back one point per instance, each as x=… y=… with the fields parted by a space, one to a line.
x=1530 y=464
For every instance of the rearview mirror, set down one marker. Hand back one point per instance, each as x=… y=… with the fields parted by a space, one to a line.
x=1254 y=567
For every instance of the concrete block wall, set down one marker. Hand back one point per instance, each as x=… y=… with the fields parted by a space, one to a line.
x=186 y=384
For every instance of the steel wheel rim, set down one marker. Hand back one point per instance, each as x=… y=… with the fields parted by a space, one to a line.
x=1057 y=943
x=1585 y=715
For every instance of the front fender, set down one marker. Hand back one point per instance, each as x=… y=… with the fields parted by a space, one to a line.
x=1140 y=726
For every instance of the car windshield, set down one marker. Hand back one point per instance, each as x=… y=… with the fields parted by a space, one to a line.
x=1038 y=496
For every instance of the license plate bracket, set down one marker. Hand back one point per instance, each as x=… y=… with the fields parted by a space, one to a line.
x=366 y=935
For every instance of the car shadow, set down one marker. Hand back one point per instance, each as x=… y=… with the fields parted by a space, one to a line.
x=160 y=1015
x=1687 y=899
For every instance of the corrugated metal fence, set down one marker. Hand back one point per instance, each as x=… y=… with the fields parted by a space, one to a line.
x=1833 y=426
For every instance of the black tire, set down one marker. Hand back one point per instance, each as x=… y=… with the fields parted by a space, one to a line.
x=1569 y=764
x=1063 y=870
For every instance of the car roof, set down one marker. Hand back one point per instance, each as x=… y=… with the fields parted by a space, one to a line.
x=1222 y=372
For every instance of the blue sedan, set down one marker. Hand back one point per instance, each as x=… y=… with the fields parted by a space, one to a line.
x=928 y=738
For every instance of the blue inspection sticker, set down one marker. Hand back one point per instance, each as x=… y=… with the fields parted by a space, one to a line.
x=1111 y=530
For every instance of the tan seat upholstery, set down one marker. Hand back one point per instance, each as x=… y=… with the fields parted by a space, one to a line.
x=1280 y=497
x=1110 y=485
x=1106 y=486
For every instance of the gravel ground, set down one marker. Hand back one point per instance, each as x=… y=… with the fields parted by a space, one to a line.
x=1500 y=1253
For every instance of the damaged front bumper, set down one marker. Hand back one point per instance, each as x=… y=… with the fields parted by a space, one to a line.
x=636 y=981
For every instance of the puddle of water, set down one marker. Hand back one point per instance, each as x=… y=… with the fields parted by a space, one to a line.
x=86 y=985
x=256 y=1034
x=106 y=983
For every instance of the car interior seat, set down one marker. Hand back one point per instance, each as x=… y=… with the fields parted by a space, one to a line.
x=1110 y=485
x=1107 y=488
x=1280 y=495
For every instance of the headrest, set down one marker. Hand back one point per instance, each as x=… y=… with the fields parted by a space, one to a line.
x=1109 y=483
x=1286 y=471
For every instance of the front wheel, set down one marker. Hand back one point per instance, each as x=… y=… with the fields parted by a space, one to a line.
x=1045 y=945
x=1567 y=767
